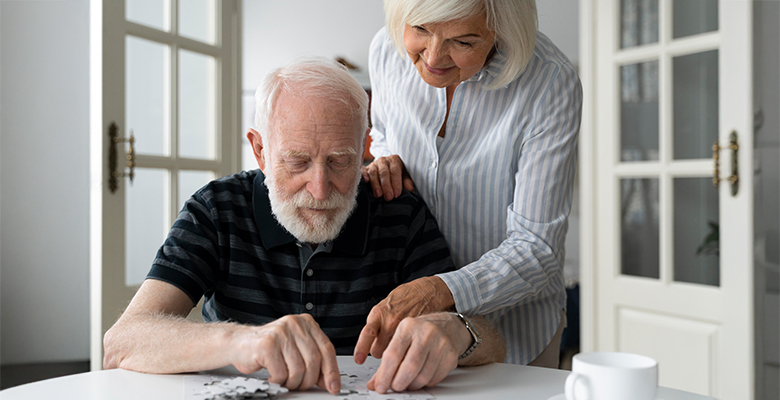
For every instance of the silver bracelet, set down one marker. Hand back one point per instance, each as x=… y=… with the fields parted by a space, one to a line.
x=474 y=335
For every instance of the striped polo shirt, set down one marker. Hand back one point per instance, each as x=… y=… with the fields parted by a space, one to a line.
x=227 y=247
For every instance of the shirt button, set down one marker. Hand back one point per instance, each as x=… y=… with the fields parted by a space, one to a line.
x=309 y=306
x=309 y=272
x=433 y=164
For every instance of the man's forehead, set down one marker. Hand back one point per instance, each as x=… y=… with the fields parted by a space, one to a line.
x=316 y=126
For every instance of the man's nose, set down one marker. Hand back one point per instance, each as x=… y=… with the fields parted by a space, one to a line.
x=319 y=185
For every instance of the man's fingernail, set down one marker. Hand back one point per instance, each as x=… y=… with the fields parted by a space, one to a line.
x=381 y=389
x=334 y=387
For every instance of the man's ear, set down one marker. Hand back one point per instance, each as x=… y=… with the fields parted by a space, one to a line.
x=257 y=147
x=366 y=143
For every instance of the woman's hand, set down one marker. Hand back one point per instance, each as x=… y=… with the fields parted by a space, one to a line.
x=388 y=177
x=412 y=299
x=423 y=351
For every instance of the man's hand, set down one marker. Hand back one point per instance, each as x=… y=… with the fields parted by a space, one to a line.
x=388 y=176
x=412 y=299
x=423 y=351
x=295 y=351
x=153 y=336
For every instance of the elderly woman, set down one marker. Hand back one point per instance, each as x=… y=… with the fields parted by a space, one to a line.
x=480 y=113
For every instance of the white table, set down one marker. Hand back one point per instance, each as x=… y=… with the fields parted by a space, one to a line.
x=495 y=381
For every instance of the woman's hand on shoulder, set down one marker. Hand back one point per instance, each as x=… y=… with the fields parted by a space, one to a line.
x=388 y=177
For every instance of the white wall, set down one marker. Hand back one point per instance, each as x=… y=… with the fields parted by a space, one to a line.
x=560 y=21
x=44 y=177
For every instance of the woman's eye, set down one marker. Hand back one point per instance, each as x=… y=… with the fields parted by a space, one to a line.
x=419 y=28
x=463 y=44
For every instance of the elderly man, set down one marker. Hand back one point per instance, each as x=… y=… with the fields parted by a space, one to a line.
x=291 y=260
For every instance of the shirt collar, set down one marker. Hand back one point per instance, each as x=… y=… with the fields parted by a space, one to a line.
x=352 y=239
x=489 y=72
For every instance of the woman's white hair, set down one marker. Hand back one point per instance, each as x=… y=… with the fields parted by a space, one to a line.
x=514 y=23
x=316 y=77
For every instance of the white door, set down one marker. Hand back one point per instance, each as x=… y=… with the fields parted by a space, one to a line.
x=671 y=78
x=167 y=72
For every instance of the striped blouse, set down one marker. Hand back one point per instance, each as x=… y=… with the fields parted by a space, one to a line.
x=499 y=183
x=227 y=246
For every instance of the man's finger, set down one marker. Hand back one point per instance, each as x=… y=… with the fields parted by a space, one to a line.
x=385 y=374
x=330 y=372
x=312 y=357
x=277 y=368
x=329 y=368
x=422 y=373
x=410 y=368
x=296 y=367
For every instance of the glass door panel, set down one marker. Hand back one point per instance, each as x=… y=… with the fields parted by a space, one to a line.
x=152 y=13
x=146 y=221
x=640 y=240
x=147 y=96
x=639 y=112
x=696 y=231
x=695 y=104
x=691 y=17
x=638 y=22
x=198 y=20
x=197 y=105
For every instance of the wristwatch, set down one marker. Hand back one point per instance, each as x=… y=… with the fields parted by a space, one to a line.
x=474 y=335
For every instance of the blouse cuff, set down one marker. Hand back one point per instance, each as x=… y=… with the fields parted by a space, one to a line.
x=464 y=288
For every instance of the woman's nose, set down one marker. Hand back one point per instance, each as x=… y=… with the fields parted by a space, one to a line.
x=436 y=54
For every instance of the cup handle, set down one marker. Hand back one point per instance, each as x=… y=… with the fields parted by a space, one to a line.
x=571 y=380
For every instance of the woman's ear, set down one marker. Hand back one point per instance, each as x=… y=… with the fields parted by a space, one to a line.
x=257 y=147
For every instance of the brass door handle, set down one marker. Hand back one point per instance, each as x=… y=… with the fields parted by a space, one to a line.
x=734 y=177
x=114 y=175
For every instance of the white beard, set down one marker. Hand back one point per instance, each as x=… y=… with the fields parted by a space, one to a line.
x=316 y=228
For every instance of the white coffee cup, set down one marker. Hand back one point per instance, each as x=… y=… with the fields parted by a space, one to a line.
x=612 y=376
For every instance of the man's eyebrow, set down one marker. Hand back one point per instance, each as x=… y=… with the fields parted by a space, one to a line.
x=295 y=154
x=346 y=152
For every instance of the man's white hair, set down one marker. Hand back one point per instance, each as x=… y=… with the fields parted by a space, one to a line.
x=313 y=77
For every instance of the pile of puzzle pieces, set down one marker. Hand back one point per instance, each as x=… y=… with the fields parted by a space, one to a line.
x=239 y=388
x=353 y=387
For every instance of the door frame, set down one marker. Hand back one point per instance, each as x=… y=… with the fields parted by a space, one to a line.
x=588 y=181
x=106 y=206
x=589 y=187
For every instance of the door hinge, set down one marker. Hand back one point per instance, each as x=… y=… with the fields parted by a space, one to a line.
x=734 y=177
x=113 y=174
